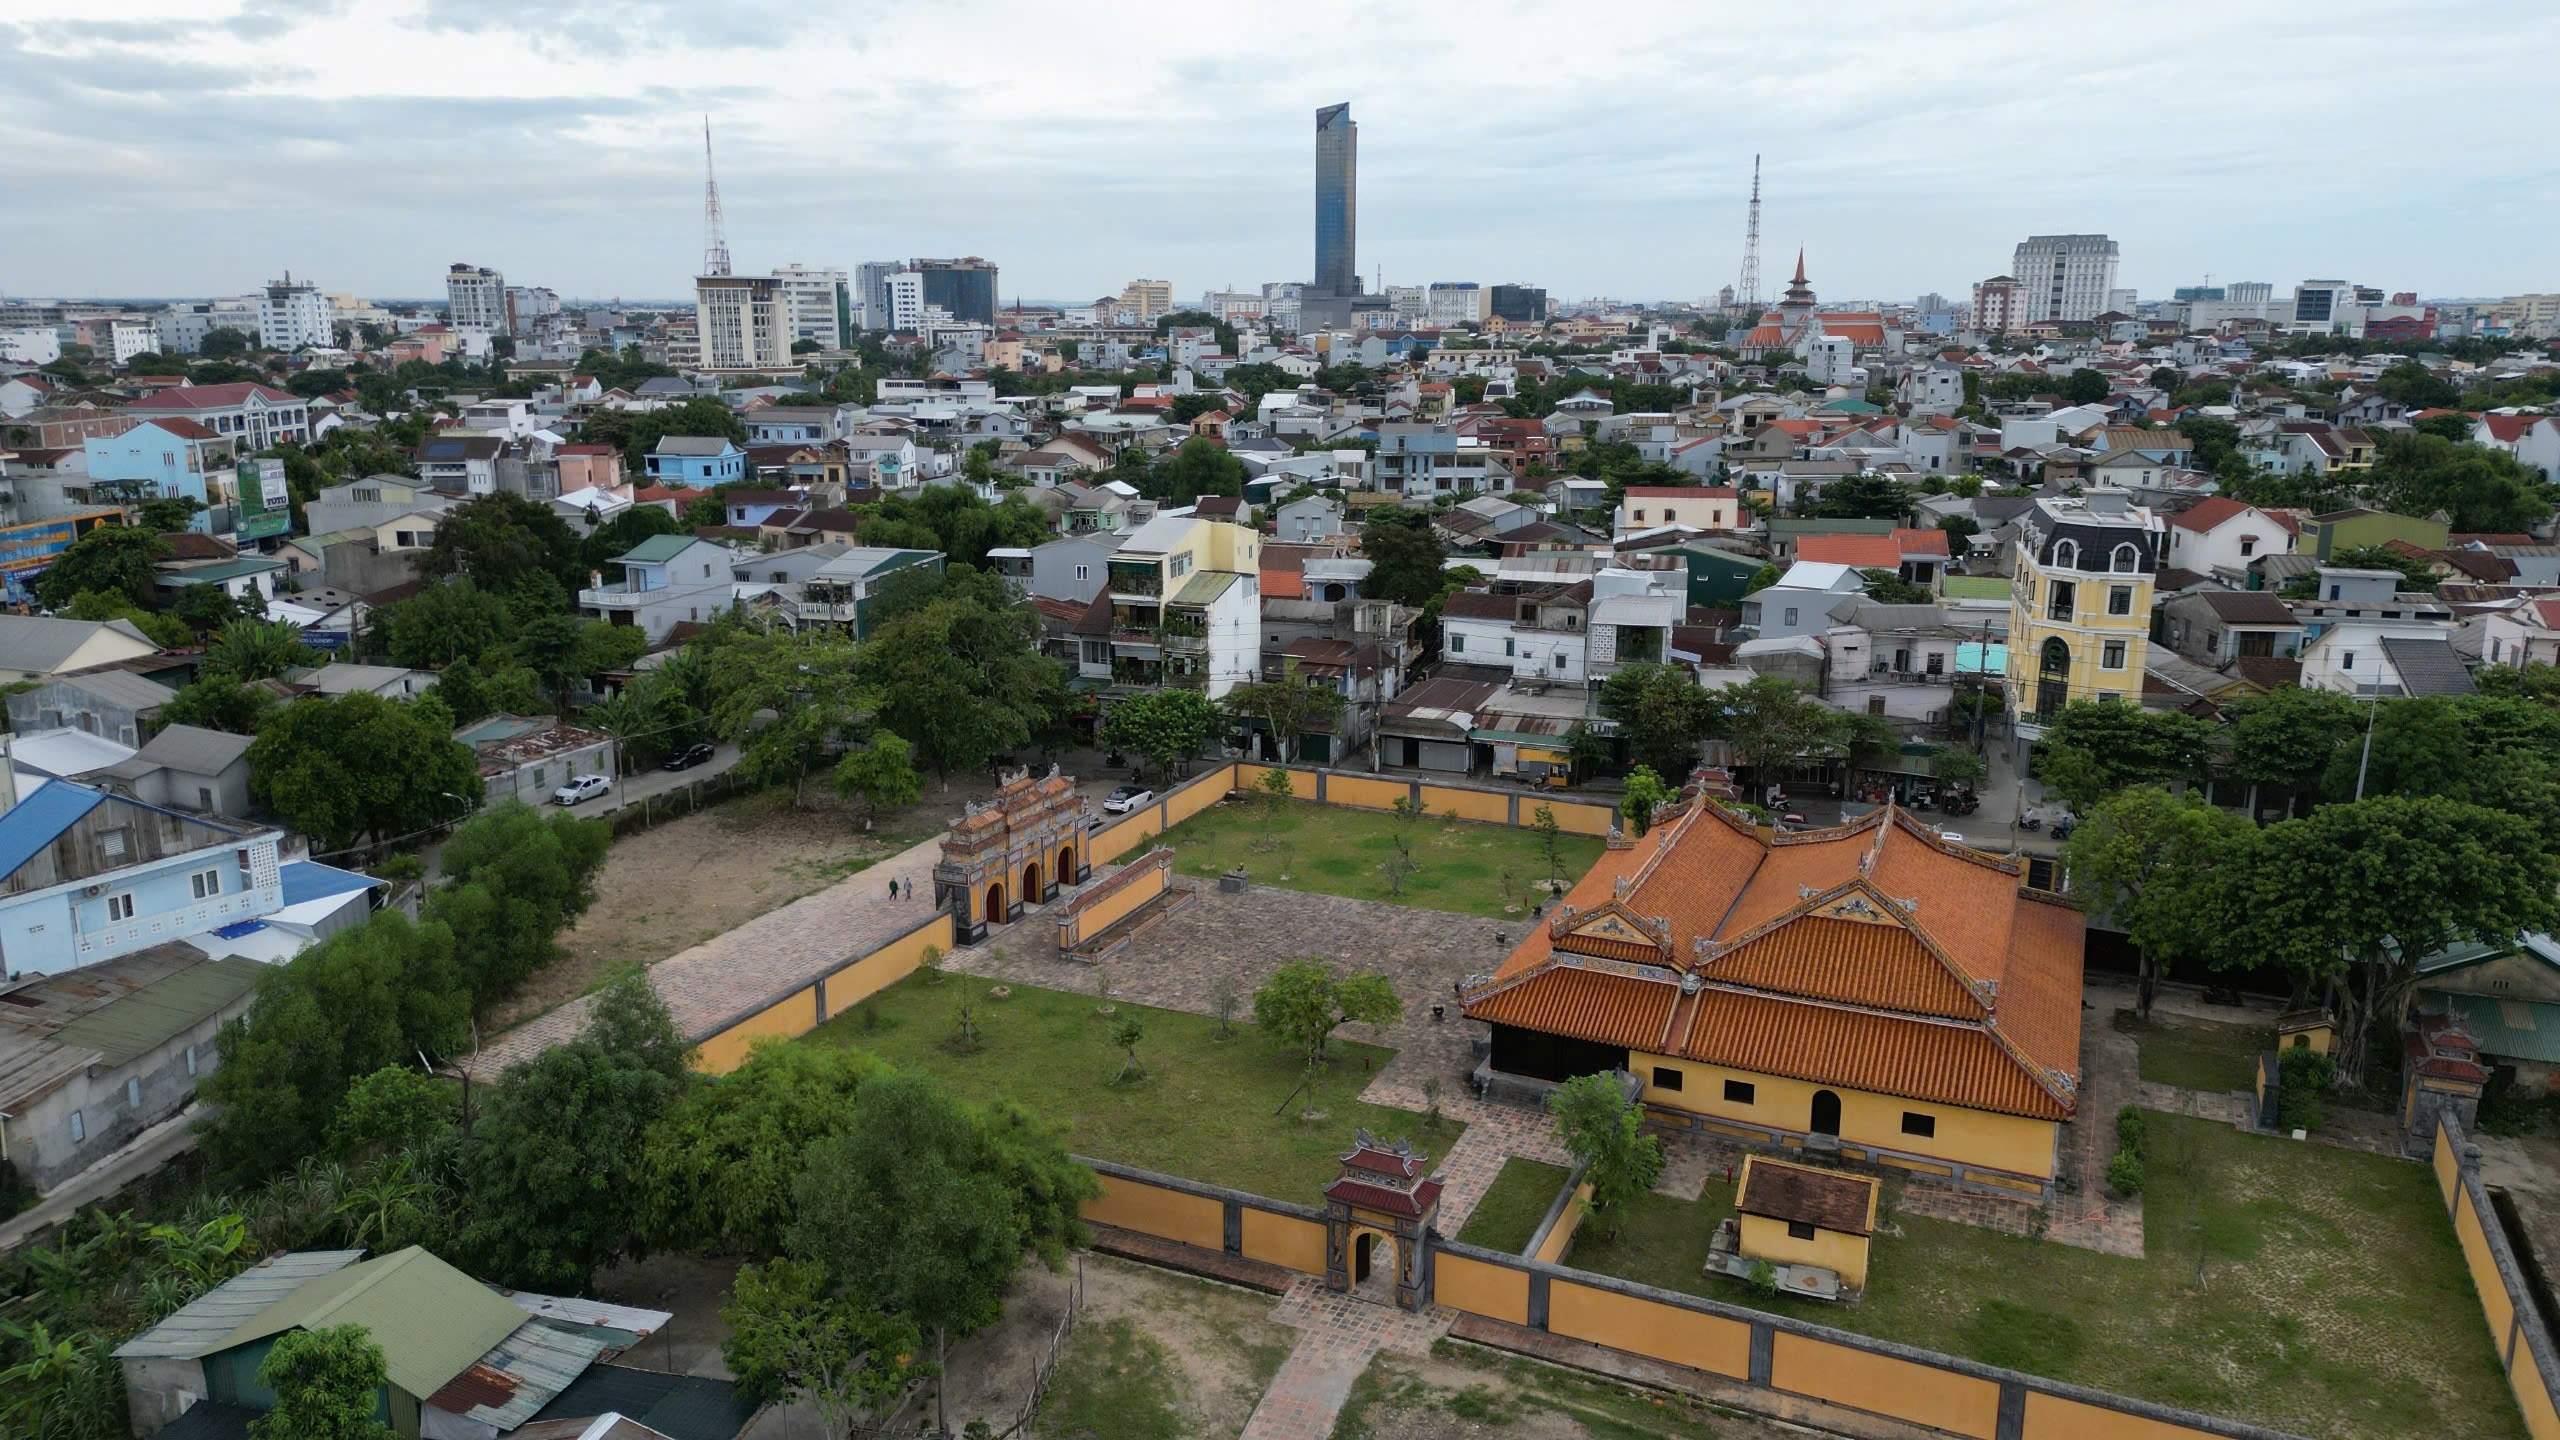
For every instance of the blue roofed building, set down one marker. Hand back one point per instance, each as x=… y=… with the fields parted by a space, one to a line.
x=87 y=875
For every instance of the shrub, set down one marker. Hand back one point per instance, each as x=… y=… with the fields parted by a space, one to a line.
x=1763 y=1280
x=2124 y=1174
x=2306 y=1077
x=2130 y=1129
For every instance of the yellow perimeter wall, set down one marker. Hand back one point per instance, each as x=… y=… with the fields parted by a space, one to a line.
x=1974 y=1137
x=1167 y=1214
x=1642 y=1327
x=1958 y=1404
x=2050 y=1417
x=2532 y=1388
x=1494 y=1291
x=1284 y=1240
x=1560 y=1238
x=1356 y=792
x=797 y=1014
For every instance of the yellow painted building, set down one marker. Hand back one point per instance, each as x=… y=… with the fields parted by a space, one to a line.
x=1801 y=1215
x=2080 y=604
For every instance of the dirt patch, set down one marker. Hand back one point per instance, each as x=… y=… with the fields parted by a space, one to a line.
x=1221 y=1344
x=694 y=1287
x=1461 y=1391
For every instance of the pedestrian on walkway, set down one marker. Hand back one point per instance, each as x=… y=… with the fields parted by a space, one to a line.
x=893 y=887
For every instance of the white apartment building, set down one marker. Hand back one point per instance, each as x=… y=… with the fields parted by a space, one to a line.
x=183 y=328
x=1233 y=304
x=529 y=304
x=818 y=304
x=905 y=290
x=2064 y=277
x=739 y=319
x=871 y=293
x=294 y=314
x=476 y=295
x=1458 y=302
x=128 y=338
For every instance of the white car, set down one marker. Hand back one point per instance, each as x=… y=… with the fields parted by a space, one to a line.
x=585 y=787
x=1126 y=799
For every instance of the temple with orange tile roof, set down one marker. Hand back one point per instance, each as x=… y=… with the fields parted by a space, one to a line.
x=1871 y=990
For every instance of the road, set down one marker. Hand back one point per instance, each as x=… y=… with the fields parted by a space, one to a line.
x=631 y=789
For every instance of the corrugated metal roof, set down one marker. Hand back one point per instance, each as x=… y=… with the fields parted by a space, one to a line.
x=431 y=1320
x=680 y=1407
x=520 y=1375
x=200 y=1326
x=1205 y=587
x=150 y=1017
x=628 y=1320
x=121 y=687
x=2507 y=1029
x=311 y=880
x=38 y=643
x=31 y=824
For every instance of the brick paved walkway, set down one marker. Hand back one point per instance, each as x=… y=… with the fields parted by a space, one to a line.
x=1343 y=1333
x=767 y=955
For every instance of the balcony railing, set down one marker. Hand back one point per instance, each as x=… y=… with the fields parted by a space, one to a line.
x=617 y=597
x=2059 y=614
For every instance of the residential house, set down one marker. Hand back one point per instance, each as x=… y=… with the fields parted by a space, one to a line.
x=251 y=416
x=695 y=461
x=1182 y=606
x=117 y=704
x=1308 y=519
x=2526 y=633
x=796 y=424
x=527 y=758
x=2369 y=658
x=1787 y=532
x=1703 y=960
x=91 y=875
x=886 y=462
x=1535 y=633
x=1916 y=556
x=842 y=592
x=1412 y=456
x=2221 y=536
x=667 y=580
x=1362 y=675
x=1072 y=567
x=187 y=768
x=2533 y=439
x=90 y=1060
x=1633 y=612
x=461 y=465
x=1900 y=661
x=2340 y=596
x=2508 y=997
x=589 y=467
x=2215 y=627
x=772 y=569
x=391 y=682
x=1697 y=507
x=377 y=501
x=749 y=509
x=35 y=647
x=173 y=458
x=242 y=577
x=1800 y=604
x=2080 y=619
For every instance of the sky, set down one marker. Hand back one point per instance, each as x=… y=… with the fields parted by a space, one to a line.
x=200 y=147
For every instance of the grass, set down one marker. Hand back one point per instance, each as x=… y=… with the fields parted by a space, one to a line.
x=2201 y=1055
x=1493 y=1391
x=1509 y=1213
x=1114 y=1382
x=1471 y=868
x=1205 y=1109
x=2311 y=1289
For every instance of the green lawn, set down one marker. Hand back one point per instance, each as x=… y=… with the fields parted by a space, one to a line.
x=1510 y=1211
x=1474 y=869
x=2201 y=1055
x=2315 y=1290
x=1205 y=1110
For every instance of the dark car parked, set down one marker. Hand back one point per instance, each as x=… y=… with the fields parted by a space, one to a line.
x=688 y=757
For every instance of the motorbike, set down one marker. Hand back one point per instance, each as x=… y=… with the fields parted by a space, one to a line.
x=2062 y=828
x=2030 y=822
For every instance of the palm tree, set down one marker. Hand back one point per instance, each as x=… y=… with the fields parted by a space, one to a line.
x=258 y=649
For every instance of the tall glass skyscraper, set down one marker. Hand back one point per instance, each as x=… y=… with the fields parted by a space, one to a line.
x=1337 y=202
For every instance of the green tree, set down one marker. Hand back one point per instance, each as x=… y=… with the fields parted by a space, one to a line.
x=166 y=631
x=2413 y=385
x=1770 y=722
x=394 y=1108
x=360 y=767
x=1404 y=557
x=1288 y=707
x=210 y=607
x=513 y=877
x=2291 y=737
x=1603 y=1130
x=882 y=773
x=965 y=683
x=111 y=559
x=2362 y=892
x=2480 y=488
x=1305 y=1001
x=2146 y=860
x=328 y=1385
x=2097 y=747
x=718 y=1171
x=162 y=514
x=791 y=1339
x=1864 y=496
x=1645 y=793
x=2415 y=573
x=373 y=996
x=218 y=702
x=1762 y=578
x=256 y=650
x=1663 y=714
x=637 y=431
x=2215 y=440
x=456 y=620
x=785 y=698
x=502 y=542
x=1889 y=588
x=1198 y=467
x=553 y=1168
x=2085 y=387
x=1165 y=726
x=630 y=1022
x=469 y=690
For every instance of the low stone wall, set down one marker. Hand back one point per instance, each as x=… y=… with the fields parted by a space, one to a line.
x=2524 y=1341
x=1485 y=804
x=804 y=1007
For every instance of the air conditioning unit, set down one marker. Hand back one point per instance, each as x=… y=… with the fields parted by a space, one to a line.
x=93 y=891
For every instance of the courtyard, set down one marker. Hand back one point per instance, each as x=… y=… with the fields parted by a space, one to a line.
x=1474 y=869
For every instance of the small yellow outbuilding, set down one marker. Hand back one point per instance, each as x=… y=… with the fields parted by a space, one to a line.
x=1798 y=1215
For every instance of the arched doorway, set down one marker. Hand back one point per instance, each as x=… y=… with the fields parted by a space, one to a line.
x=1375 y=1265
x=1031 y=882
x=2053 y=677
x=995 y=903
x=1826 y=1114
x=1066 y=866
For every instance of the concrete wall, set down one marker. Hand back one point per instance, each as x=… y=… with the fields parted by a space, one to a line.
x=1487 y=804
x=38 y=1139
x=803 y=1008
x=1115 y=898
x=1786 y=1367
x=2524 y=1344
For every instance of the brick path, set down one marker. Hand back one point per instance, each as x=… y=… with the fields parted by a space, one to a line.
x=767 y=955
x=2083 y=1214
x=1343 y=1333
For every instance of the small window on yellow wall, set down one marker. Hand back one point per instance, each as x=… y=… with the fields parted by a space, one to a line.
x=1915 y=1123
x=1739 y=1092
x=1799 y=1229
x=1665 y=1078
x=2301 y=1042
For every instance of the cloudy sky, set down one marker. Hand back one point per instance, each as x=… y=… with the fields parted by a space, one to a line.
x=199 y=146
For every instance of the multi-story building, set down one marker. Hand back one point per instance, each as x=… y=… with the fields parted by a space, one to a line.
x=1998 y=305
x=2080 y=605
x=740 y=321
x=2064 y=277
x=476 y=296
x=1337 y=202
x=183 y=328
x=128 y=338
x=250 y=415
x=817 y=303
x=1457 y=302
x=1182 y=606
x=99 y=875
x=667 y=580
x=965 y=287
x=294 y=314
x=904 y=297
x=840 y=592
x=871 y=293
x=529 y=305
x=1524 y=303
x=168 y=458
x=1143 y=301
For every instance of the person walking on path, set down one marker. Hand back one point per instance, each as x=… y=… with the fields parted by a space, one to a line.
x=893 y=887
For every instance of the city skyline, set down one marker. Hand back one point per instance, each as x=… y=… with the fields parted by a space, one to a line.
x=572 y=158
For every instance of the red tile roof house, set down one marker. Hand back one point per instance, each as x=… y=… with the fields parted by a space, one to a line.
x=1919 y=556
